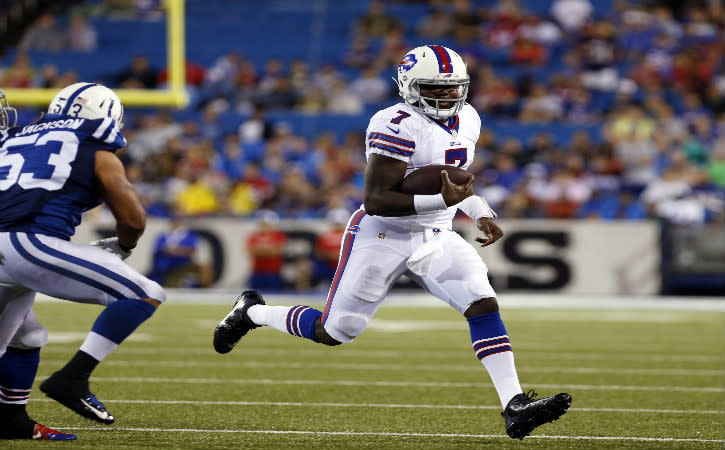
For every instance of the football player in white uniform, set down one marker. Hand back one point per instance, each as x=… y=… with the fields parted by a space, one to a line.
x=396 y=233
x=59 y=167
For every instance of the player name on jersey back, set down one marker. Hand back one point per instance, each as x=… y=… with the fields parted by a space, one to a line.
x=73 y=124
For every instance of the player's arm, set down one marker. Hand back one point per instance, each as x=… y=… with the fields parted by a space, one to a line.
x=381 y=190
x=121 y=198
x=382 y=196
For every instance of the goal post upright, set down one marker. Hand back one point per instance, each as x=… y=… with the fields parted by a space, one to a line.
x=174 y=95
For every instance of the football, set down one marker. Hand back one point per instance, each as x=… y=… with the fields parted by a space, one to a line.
x=427 y=179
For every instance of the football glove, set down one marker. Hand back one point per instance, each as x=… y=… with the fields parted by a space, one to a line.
x=112 y=245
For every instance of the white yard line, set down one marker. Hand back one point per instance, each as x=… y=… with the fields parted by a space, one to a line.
x=357 y=353
x=473 y=367
x=372 y=433
x=267 y=381
x=385 y=405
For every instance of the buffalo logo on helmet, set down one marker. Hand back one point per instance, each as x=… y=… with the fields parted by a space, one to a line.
x=407 y=62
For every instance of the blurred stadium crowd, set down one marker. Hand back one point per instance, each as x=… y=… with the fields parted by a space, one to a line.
x=646 y=76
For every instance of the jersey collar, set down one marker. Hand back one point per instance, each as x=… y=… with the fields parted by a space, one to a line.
x=451 y=125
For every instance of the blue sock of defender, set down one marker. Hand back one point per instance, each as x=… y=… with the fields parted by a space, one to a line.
x=113 y=325
x=492 y=346
x=301 y=321
x=17 y=373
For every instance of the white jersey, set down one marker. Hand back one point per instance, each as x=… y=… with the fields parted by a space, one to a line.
x=402 y=132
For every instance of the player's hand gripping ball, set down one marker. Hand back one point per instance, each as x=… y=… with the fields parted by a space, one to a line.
x=427 y=179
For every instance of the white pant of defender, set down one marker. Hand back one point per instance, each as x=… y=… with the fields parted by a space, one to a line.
x=31 y=263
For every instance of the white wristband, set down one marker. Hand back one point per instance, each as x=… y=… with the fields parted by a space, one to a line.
x=476 y=207
x=429 y=203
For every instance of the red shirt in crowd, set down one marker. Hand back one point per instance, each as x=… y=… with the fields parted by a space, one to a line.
x=266 y=247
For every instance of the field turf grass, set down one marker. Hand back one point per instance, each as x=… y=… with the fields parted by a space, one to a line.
x=639 y=379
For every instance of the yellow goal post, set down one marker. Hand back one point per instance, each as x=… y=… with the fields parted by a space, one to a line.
x=174 y=95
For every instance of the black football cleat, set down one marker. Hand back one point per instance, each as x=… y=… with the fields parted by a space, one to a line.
x=524 y=414
x=237 y=323
x=74 y=394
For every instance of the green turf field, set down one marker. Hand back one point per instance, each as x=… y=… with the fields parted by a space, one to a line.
x=641 y=379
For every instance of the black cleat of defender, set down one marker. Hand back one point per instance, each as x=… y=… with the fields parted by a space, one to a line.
x=237 y=323
x=523 y=413
x=74 y=394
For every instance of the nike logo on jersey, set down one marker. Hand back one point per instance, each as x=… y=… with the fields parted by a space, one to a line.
x=394 y=130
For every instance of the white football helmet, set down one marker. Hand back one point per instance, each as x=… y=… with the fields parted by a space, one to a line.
x=432 y=65
x=89 y=101
x=8 y=115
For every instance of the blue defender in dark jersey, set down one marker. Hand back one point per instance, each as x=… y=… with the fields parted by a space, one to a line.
x=47 y=173
x=51 y=172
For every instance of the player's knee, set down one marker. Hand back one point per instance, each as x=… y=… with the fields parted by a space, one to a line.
x=154 y=292
x=482 y=306
x=322 y=336
x=35 y=337
x=350 y=326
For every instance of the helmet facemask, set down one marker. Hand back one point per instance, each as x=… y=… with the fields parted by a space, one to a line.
x=432 y=106
x=8 y=115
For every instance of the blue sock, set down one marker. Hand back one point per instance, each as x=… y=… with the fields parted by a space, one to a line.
x=121 y=318
x=488 y=335
x=492 y=346
x=17 y=373
x=301 y=321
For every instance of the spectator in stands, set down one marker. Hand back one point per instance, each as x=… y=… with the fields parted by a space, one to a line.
x=541 y=106
x=344 y=100
x=221 y=78
x=21 y=74
x=526 y=51
x=327 y=247
x=148 y=9
x=376 y=23
x=193 y=74
x=564 y=193
x=438 y=24
x=82 y=36
x=261 y=189
x=139 y=74
x=313 y=100
x=47 y=77
x=175 y=257
x=541 y=31
x=599 y=56
x=280 y=94
x=493 y=95
x=572 y=14
x=256 y=129
x=195 y=197
x=266 y=249
x=326 y=78
x=465 y=19
x=43 y=35
x=393 y=45
x=231 y=160
x=360 y=53
x=370 y=87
